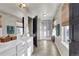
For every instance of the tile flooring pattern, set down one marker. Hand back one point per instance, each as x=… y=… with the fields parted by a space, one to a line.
x=45 y=48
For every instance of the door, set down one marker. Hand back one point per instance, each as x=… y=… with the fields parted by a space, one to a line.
x=74 y=29
x=23 y=24
x=30 y=25
x=35 y=31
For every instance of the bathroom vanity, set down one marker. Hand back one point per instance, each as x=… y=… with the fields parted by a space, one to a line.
x=22 y=46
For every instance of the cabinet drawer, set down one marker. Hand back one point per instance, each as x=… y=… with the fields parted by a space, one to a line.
x=29 y=45
x=9 y=52
x=20 y=53
x=21 y=47
x=29 y=51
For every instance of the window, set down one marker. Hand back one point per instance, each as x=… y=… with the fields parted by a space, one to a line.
x=65 y=36
x=65 y=33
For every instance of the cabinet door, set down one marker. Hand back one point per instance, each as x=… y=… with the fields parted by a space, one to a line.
x=21 y=48
x=74 y=30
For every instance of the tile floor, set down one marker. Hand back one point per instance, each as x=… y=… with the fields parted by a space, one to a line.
x=45 y=48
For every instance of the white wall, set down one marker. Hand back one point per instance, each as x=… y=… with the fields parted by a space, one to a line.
x=7 y=20
x=10 y=13
x=61 y=47
x=0 y=31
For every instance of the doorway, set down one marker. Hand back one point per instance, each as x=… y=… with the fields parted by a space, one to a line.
x=32 y=24
x=35 y=31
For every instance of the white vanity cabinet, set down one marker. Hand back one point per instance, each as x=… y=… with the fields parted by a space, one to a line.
x=9 y=52
x=26 y=46
x=20 y=47
x=30 y=46
x=9 y=48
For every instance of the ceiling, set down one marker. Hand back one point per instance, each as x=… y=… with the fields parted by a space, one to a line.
x=43 y=10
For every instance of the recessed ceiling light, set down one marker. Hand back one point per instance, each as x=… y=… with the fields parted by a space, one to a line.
x=45 y=15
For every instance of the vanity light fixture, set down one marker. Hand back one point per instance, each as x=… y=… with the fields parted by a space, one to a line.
x=21 y=5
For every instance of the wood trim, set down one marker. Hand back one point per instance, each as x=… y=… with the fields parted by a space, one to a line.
x=65 y=23
x=65 y=14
